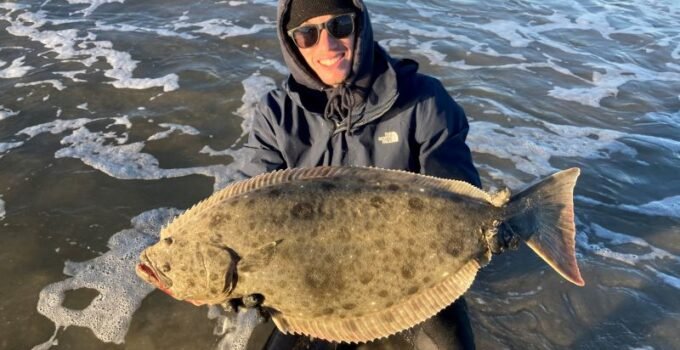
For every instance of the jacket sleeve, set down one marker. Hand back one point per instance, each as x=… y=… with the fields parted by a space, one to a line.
x=262 y=152
x=441 y=129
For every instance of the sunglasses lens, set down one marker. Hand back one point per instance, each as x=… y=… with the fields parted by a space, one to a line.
x=305 y=36
x=341 y=26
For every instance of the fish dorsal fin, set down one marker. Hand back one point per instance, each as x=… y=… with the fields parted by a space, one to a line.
x=410 y=312
x=454 y=186
x=256 y=182
x=368 y=173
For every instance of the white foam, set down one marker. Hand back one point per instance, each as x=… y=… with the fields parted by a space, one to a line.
x=113 y=275
x=235 y=328
x=669 y=207
x=12 y=6
x=266 y=2
x=123 y=27
x=608 y=84
x=668 y=279
x=427 y=10
x=55 y=84
x=5 y=113
x=222 y=28
x=670 y=119
x=182 y=129
x=617 y=239
x=531 y=149
x=15 y=70
x=83 y=106
x=126 y=161
x=427 y=30
x=94 y=4
x=124 y=120
x=511 y=31
x=6 y=146
x=601 y=86
x=55 y=127
x=608 y=76
x=72 y=75
x=2 y=209
x=276 y=65
x=255 y=86
x=70 y=45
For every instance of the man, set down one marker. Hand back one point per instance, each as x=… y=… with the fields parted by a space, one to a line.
x=347 y=102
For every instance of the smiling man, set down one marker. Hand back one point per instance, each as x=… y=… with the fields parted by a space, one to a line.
x=347 y=102
x=329 y=55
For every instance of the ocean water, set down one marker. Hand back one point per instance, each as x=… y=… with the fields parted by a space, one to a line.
x=117 y=115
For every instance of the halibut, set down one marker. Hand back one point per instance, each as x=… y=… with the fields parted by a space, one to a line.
x=353 y=254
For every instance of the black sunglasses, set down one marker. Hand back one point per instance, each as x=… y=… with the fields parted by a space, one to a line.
x=306 y=36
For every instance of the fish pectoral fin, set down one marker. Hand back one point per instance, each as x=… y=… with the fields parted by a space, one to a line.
x=258 y=258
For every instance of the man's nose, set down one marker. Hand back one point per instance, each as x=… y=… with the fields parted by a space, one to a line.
x=327 y=41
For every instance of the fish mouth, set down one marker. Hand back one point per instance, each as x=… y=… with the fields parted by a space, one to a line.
x=147 y=273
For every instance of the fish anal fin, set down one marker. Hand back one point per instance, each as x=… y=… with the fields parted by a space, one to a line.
x=404 y=315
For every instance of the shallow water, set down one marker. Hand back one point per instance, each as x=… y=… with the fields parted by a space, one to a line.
x=117 y=115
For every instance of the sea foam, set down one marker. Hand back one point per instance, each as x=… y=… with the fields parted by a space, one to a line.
x=70 y=45
x=619 y=239
x=55 y=84
x=669 y=207
x=222 y=28
x=7 y=146
x=93 y=4
x=2 y=209
x=531 y=149
x=15 y=70
x=172 y=128
x=113 y=276
x=6 y=113
x=55 y=127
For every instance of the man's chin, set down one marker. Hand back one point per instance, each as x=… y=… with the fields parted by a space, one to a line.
x=334 y=78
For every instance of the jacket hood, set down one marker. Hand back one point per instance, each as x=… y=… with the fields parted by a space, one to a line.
x=303 y=75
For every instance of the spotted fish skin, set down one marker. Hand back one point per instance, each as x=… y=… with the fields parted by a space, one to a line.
x=332 y=248
x=349 y=248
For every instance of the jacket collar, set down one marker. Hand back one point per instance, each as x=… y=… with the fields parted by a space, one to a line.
x=381 y=97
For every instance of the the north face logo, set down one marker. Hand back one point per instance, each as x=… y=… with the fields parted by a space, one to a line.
x=389 y=137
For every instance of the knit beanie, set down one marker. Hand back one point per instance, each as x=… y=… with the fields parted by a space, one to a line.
x=302 y=10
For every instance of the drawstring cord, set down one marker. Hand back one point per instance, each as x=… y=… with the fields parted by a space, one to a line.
x=340 y=106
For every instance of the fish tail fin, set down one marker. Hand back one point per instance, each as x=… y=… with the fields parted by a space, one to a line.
x=543 y=216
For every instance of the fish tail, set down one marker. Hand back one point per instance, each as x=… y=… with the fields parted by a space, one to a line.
x=543 y=216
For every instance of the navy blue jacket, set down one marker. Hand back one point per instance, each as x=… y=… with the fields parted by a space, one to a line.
x=408 y=121
x=385 y=114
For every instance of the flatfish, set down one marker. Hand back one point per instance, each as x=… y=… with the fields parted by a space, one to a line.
x=353 y=254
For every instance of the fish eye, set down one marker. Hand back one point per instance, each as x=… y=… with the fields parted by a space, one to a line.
x=168 y=241
x=166 y=267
